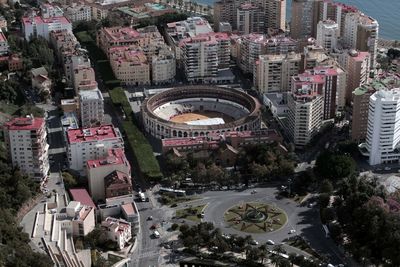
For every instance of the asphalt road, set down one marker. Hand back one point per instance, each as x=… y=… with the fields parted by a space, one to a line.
x=305 y=221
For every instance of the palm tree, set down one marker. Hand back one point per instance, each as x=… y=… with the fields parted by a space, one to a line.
x=263 y=253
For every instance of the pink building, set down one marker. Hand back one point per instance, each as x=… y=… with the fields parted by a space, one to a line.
x=81 y=195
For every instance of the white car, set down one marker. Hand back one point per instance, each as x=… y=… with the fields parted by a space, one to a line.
x=292 y=231
x=156 y=234
x=270 y=242
x=254 y=242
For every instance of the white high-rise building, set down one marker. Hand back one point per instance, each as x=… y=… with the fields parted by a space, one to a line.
x=91 y=107
x=327 y=34
x=27 y=146
x=273 y=73
x=91 y=143
x=383 y=132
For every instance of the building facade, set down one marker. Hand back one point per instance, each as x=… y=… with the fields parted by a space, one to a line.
x=98 y=169
x=273 y=73
x=91 y=107
x=383 y=132
x=250 y=19
x=3 y=44
x=27 y=146
x=35 y=26
x=327 y=34
x=118 y=230
x=358 y=69
x=91 y=143
x=306 y=105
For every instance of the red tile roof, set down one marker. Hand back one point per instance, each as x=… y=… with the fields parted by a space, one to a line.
x=24 y=124
x=115 y=156
x=82 y=195
x=91 y=134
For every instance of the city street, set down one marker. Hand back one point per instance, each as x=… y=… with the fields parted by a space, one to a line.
x=304 y=220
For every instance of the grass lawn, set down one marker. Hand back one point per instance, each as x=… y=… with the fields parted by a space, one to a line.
x=191 y=213
x=234 y=217
x=167 y=200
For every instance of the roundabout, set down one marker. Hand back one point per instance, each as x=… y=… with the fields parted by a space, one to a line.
x=255 y=217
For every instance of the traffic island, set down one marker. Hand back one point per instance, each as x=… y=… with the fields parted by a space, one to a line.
x=255 y=217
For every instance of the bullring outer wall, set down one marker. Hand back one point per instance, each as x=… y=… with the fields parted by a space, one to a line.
x=161 y=128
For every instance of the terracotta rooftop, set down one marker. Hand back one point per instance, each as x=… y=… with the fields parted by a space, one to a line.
x=82 y=195
x=115 y=156
x=91 y=134
x=24 y=124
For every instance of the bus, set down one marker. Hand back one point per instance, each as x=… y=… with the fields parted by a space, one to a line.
x=176 y=192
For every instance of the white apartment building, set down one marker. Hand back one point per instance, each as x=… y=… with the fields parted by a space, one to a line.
x=3 y=44
x=98 y=169
x=163 y=68
x=91 y=107
x=50 y=11
x=327 y=34
x=383 y=132
x=273 y=73
x=91 y=143
x=35 y=26
x=78 y=12
x=306 y=108
x=27 y=146
x=118 y=230
x=200 y=59
x=361 y=33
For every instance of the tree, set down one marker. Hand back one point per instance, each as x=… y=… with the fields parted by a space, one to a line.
x=333 y=166
x=69 y=180
x=326 y=187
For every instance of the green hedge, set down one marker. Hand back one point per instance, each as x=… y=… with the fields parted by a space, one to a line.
x=142 y=150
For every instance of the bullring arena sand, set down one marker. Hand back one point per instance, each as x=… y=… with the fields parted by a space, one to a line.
x=200 y=115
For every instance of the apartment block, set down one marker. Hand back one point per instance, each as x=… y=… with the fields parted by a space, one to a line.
x=306 y=106
x=273 y=13
x=91 y=143
x=204 y=54
x=27 y=147
x=358 y=70
x=361 y=33
x=250 y=19
x=78 y=12
x=304 y=14
x=163 y=67
x=327 y=34
x=118 y=230
x=91 y=107
x=84 y=78
x=273 y=73
x=360 y=102
x=3 y=23
x=130 y=65
x=383 y=137
x=34 y=26
x=251 y=46
x=99 y=169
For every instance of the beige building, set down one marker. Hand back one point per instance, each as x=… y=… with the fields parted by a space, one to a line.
x=41 y=81
x=118 y=230
x=357 y=70
x=273 y=73
x=250 y=19
x=130 y=65
x=79 y=219
x=84 y=78
x=272 y=11
x=97 y=170
x=304 y=14
x=306 y=109
x=78 y=12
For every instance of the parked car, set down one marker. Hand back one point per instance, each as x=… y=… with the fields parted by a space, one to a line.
x=253 y=242
x=270 y=242
x=150 y=218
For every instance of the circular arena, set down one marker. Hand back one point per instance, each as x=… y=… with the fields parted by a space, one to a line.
x=193 y=111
